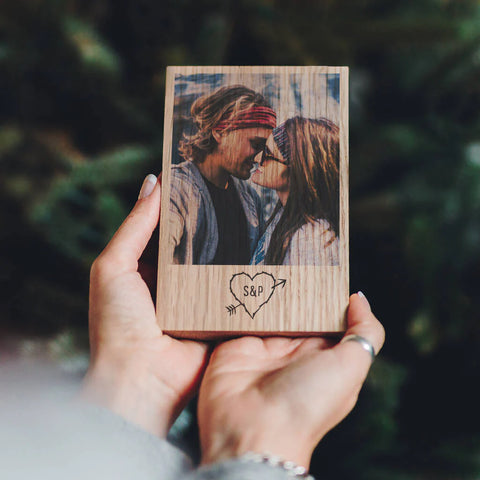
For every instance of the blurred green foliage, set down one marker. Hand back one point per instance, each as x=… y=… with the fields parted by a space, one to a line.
x=81 y=122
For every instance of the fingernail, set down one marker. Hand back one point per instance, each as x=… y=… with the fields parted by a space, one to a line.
x=147 y=186
x=364 y=298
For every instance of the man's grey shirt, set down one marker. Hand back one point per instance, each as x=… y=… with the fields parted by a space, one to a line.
x=193 y=230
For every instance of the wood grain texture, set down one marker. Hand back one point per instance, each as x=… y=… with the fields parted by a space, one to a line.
x=209 y=301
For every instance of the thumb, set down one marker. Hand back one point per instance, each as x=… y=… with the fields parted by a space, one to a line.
x=130 y=240
x=361 y=322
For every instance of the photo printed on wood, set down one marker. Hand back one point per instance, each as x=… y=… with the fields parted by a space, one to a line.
x=254 y=221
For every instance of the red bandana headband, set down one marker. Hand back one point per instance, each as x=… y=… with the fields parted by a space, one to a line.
x=254 y=117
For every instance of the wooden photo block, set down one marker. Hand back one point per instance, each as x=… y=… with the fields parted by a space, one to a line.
x=254 y=217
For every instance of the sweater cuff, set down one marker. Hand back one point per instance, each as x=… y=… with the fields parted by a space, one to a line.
x=144 y=454
x=60 y=440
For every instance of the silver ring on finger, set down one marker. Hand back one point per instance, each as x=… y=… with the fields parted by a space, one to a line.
x=364 y=343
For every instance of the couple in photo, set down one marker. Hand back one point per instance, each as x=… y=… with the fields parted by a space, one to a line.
x=216 y=216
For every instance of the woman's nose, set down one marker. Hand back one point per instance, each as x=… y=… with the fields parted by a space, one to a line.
x=258 y=157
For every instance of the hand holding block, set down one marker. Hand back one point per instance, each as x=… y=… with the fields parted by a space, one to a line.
x=254 y=220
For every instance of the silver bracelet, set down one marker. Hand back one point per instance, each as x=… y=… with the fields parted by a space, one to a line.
x=291 y=468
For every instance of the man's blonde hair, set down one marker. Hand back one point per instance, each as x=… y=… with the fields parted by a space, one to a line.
x=208 y=111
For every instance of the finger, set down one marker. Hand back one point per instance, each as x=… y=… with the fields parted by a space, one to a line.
x=362 y=322
x=130 y=240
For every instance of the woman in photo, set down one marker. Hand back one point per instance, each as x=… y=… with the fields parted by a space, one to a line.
x=300 y=162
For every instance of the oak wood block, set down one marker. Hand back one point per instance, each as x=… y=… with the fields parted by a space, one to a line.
x=254 y=218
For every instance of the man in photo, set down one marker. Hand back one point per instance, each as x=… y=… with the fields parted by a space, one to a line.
x=215 y=216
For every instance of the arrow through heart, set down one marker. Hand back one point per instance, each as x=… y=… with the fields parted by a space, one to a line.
x=252 y=292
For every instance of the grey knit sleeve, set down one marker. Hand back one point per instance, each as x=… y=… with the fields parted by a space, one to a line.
x=55 y=441
x=133 y=453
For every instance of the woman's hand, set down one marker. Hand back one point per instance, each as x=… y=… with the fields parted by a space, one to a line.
x=135 y=370
x=281 y=396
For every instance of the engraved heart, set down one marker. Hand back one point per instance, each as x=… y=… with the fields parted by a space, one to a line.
x=252 y=292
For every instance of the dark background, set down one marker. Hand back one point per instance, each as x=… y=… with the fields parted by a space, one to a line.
x=82 y=87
